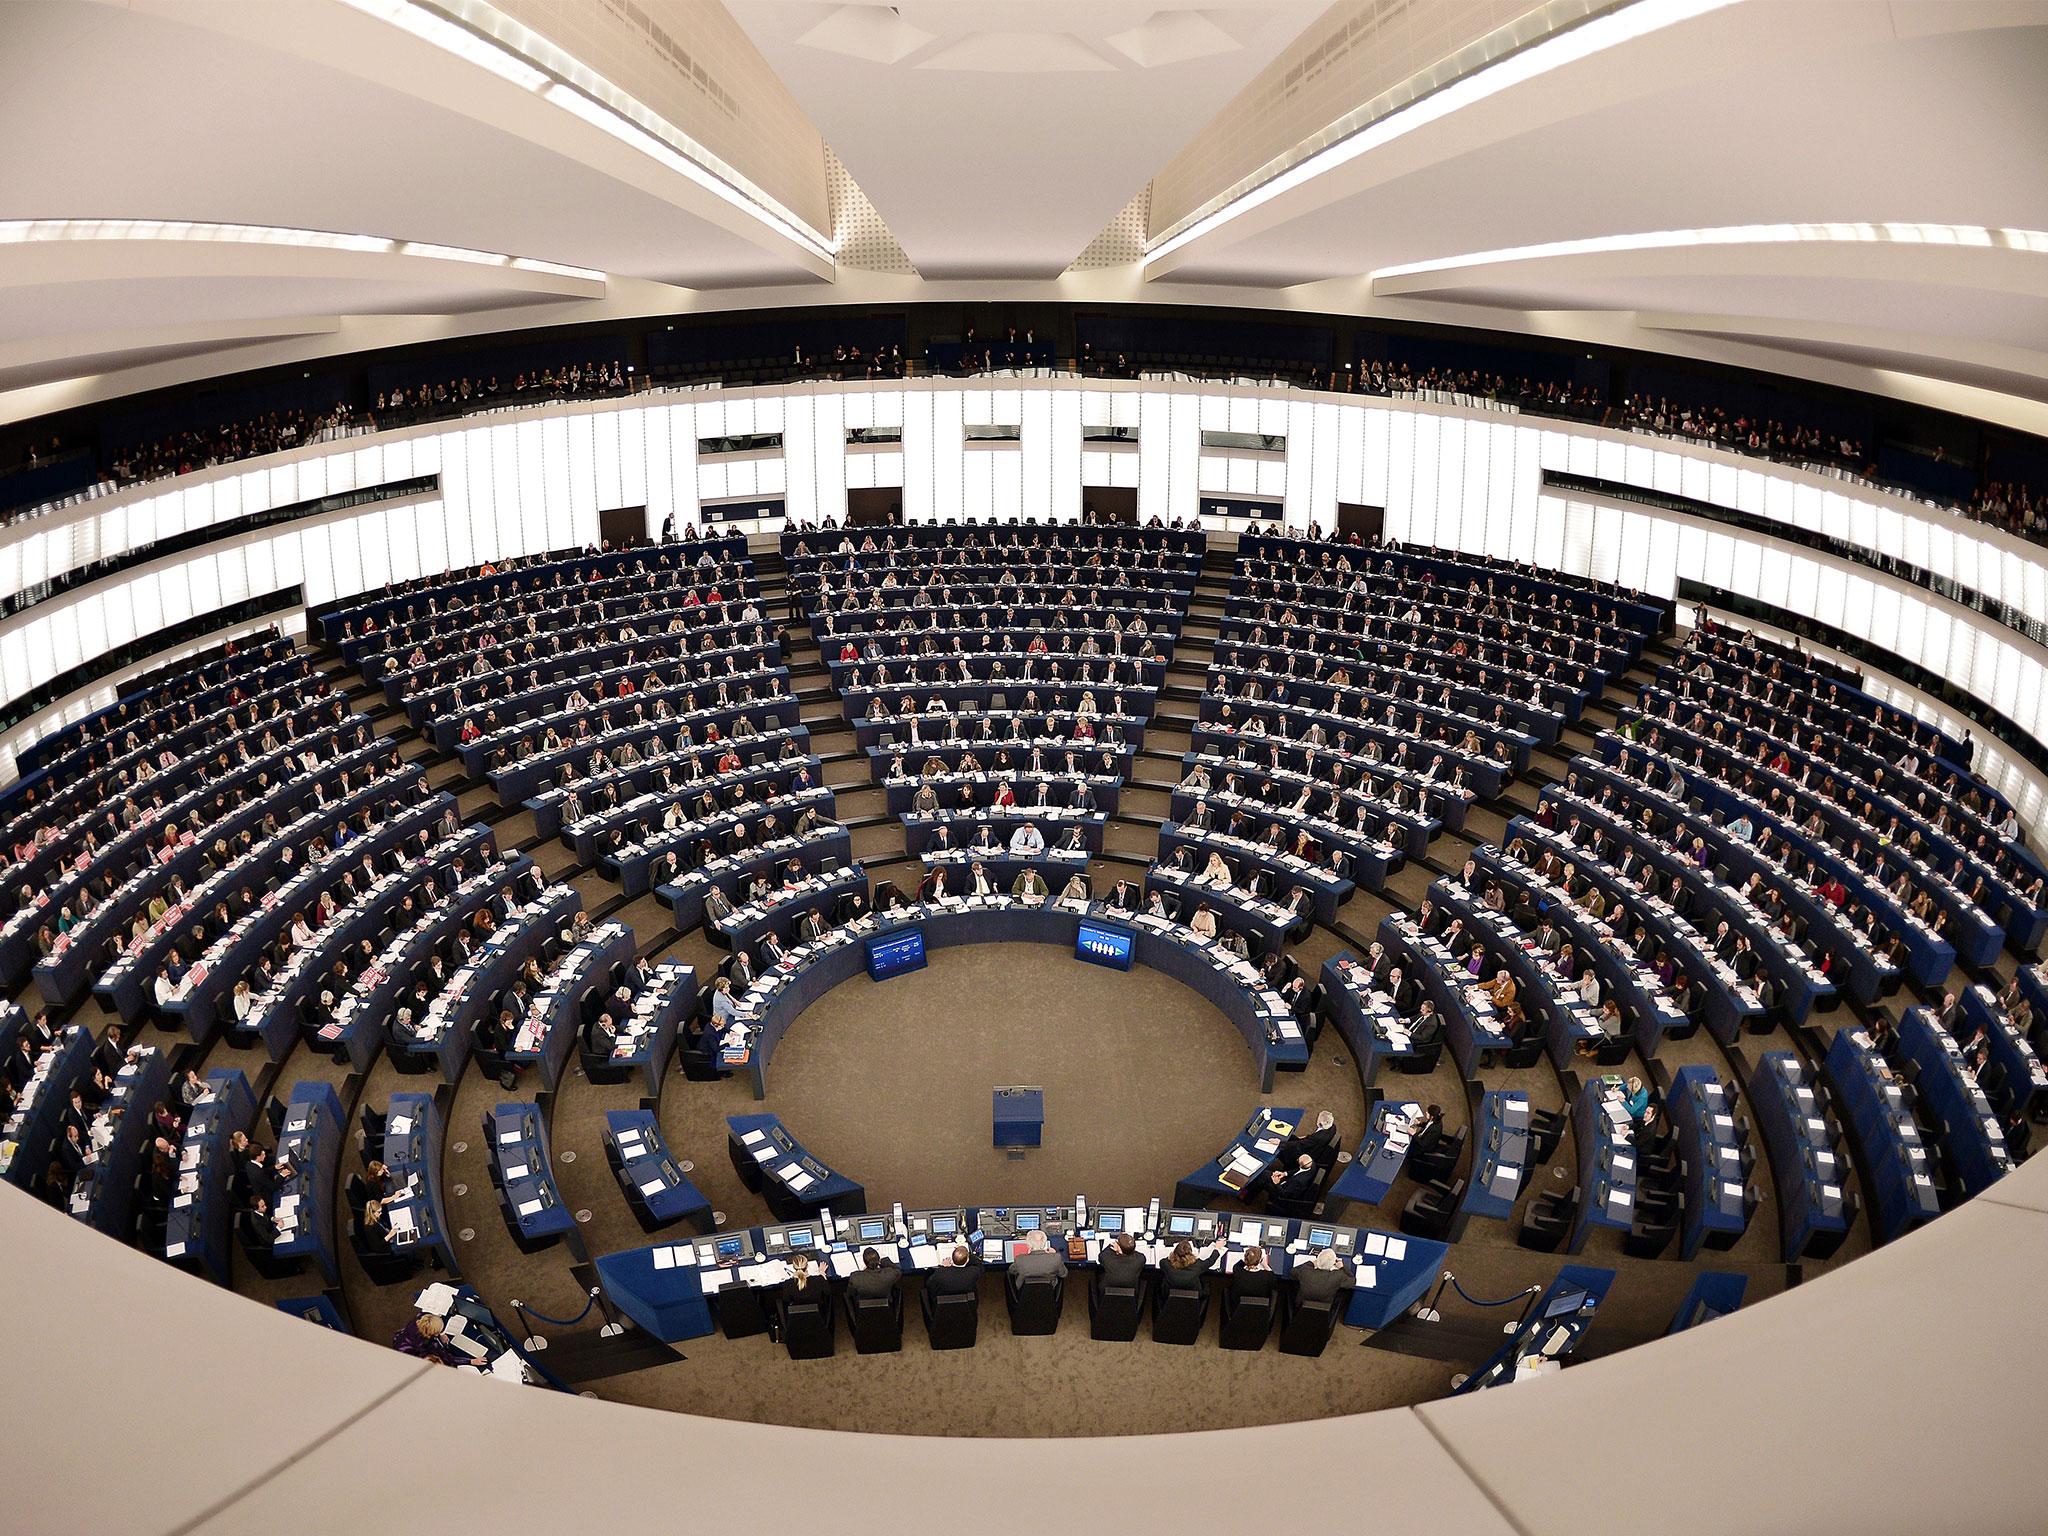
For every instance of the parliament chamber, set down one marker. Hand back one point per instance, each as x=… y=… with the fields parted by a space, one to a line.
x=850 y=838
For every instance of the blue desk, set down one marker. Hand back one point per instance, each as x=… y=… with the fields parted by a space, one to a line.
x=33 y=1125
x=1471 y=1027
x=1970 y=1128
x=1807 y=1163
x=1241 y=1168
x=664 y=1299
x=1713 y=1293
x=1879 y=1118
x=774 y=1164
x=1608 y=1175
x=1550 y=1330
x=524 y=1172
x=546 y=1037
x=1371 y=1174
x=655 y=1187
x=1367 y=1023
x=199 y=1229
x=1501 y=1151
x=1019 y=1117
x=311 y=1142
x=2026 y=1078
x=103 y=1195
x=1702 y=1114
x=414 y=1138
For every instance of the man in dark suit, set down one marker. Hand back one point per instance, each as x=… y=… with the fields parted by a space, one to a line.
x=1318 y=1145
x=959 y=1275
x=1122 y=1265
x=1125 y=898
x=1322 y=1278
x=1292 y=1187
x=874 y=1279
x=1429 y=1135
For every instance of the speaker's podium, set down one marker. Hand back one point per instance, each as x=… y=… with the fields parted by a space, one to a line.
x=1019 y=1119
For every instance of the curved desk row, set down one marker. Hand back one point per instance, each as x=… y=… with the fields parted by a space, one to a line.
x=778 y=998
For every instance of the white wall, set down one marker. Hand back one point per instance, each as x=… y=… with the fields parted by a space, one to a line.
x=516 y=482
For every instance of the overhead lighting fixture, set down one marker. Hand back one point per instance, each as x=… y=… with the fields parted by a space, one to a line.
x=1975 y=236
x=34 y=231
x=477 y=32
x=1611 y=30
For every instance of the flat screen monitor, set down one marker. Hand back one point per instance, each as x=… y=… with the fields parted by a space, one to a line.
x=1321 y=1237
x=1100 y=945
x=944 y=1226
x=1180 y=1226
x=1564 y=1302
x=873 y=1231
x=1027 y=1221
x=798 y=1237
x=730 y=1248
x=894 y=953
x=1109 y=1221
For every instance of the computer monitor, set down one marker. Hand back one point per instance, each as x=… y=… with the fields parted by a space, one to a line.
x=731 y=1247
x=798 y=1237
x=1027 y=1221
x=1321 y=1237
x=873 y=1231
x=1565 y=1301
x=944 y=1226
x=1180 y=1226
x=1109 y=1221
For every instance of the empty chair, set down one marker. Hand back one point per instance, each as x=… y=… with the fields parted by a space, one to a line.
x=1525 y=1052
x=1546 y=1222
x=952 y=1319
x=1429 y=1210
x=1546 y=1129
x=1178 y=1312
x=1243 y=1322
x=876 y=1322
x=1306 y=1326
x=1114 y=1310
x=1035 y=1302
x=1440 y=1162
x=1421 y=1062
x=809 y=1328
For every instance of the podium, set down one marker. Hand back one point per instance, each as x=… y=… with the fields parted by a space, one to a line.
x=1019 y=1119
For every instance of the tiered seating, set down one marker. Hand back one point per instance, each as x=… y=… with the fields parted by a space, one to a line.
x=120 y=1141
x=999 y=679
x=200 y=1221
x=1809 y=1165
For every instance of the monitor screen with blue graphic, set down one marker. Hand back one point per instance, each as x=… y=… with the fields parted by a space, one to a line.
x=891 y=954
x=1105 y=946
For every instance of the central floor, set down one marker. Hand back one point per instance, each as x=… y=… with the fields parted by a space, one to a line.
x=1144 y=1081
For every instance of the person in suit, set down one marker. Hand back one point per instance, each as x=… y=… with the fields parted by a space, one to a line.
x=1322 y=1278
x=1029 y=886
x=875 y=1278
x=1038 y=1258
x=1126 y=898
x=768 y=952
x=1428 y=1136
x=1122 y=1265
x=1186 y=1266
x=718 y=906
x=1293 y=1185
x=806 y=1283
x=958 y=1276
x=1319 y=1145
x=741 y=971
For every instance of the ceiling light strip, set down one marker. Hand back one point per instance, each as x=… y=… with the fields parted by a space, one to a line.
x=1975 y=236
x=481 y=34
x=35 y=231
x=1527 y=61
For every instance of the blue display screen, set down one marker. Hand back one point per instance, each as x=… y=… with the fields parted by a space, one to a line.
x=1109 y=1221
x=1180 y=1226
x=1104 y=946
x=1027 y=1221
x=1320 y=1237
x=870 y=1231
x=942 y=1226
x=799 y=1237
x=891 y=954
x=729 y=1248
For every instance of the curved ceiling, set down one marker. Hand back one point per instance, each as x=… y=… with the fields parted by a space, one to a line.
x=1483 y=163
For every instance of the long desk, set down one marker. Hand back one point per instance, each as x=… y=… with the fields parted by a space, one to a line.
x=1471 y=1026
x=524 y=1172
x=413 y=1140
x=1878 y=1114
x=2026 y=1078
x=33 y=1127
x=655 y=1186
x=1365 y=1019
x=1382 y=1155
x=1701 y=1110
x=779 y=997
x=1501 y=1153
x=1970 y=1128
x=1808 y=1164
x=775 y=1165
x=199 y=1228
x=310 y=1141
x=103 y=1195
x=1609 y=1178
